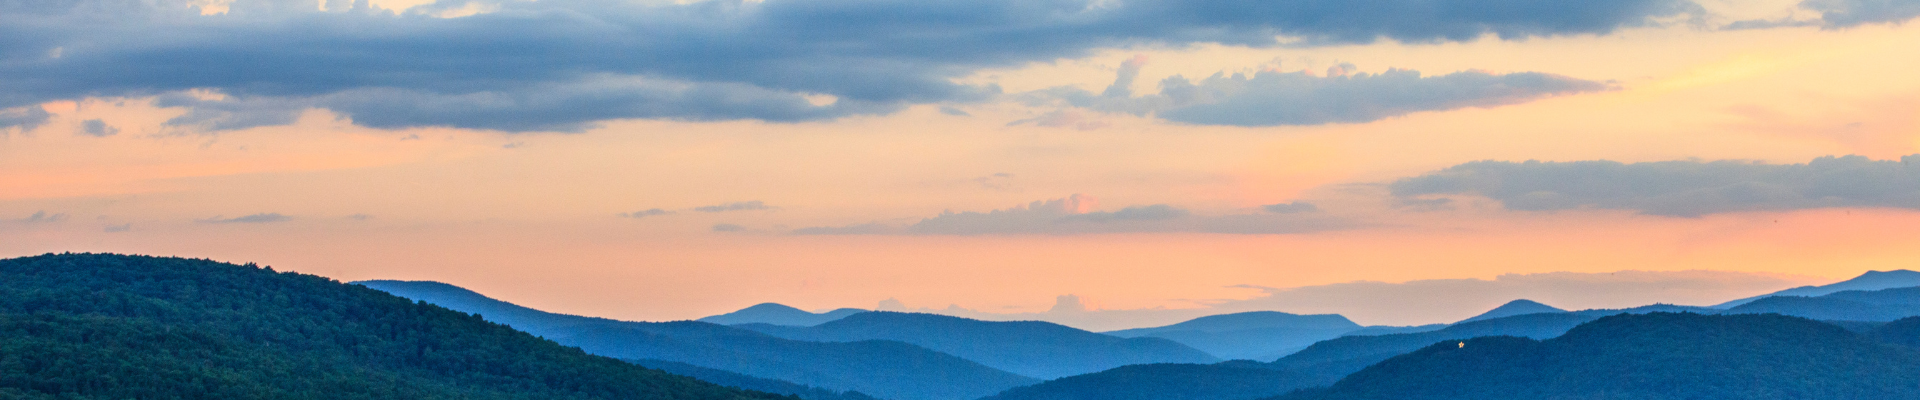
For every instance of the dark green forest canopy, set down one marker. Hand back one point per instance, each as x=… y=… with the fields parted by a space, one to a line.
x=104 y=326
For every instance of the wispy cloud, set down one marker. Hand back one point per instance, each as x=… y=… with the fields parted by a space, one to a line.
x=25 y=118
x=248 y=219
x=1677 y=188
x=645 y=213
x=735 y=206
x=43 y=217
x=1077 y=215
x=1271 y=98
x=1842 y=14
x=97 y=128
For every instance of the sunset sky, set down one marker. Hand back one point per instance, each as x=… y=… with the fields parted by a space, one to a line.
x=1396 y=161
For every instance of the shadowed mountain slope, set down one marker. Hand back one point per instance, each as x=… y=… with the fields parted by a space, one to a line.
x=1321 y=364
x=779 y=314
x=1872 y=280
x=1259 y=335
x=1224 y=381
x=887 y=369
x=102 y=326
x=1332 y=359
x=1904 y=332
x=1030 y=348
x=1649 y=356
x=736 y=380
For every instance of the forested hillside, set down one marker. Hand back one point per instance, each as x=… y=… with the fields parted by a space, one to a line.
x=102 y=326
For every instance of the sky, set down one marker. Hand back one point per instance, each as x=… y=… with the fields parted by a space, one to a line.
x=1101 y=163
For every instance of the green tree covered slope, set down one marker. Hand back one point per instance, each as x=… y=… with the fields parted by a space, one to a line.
x=102 y=326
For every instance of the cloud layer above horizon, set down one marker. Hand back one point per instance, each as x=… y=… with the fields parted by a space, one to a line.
x=1076 y=215
x=1421 y=301
x=1272 y=98
x=563 y=65
x=1677 y=188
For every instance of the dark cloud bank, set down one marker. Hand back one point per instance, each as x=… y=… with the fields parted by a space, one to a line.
x=565 y=64
x=1677 y=188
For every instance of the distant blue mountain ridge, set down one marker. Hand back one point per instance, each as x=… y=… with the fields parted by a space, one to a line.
x=1273 y=352
x=1872 y=280
x=1516 y=307
x=1031 y=348
x=1328 y=361
x=779 y=314
x=1258 y=335
x=885 y=369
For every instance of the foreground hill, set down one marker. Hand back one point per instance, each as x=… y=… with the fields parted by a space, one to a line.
x=886 y=369
x=1258 y=335
x=100 y=326
x=779 y=314
x=1030 y=348
x=1650 y=356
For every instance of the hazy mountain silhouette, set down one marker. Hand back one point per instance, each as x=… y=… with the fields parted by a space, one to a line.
x=1516 y=307
x=1388 y=330
x=1258 y=335
x=1649 y=356
x=779 y=314
x=737 y=380
x=103 y=326
x=1872 y=280
x=1030 y=348
x=1876 y=305
x=888 y=369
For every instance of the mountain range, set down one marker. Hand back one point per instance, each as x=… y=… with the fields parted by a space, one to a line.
x=110 y=326
x=1258 y=335
x=881 y=368
x=1030 y=348
x=1327 y=361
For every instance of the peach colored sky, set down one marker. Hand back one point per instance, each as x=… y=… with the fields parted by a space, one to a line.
x=534 y=217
